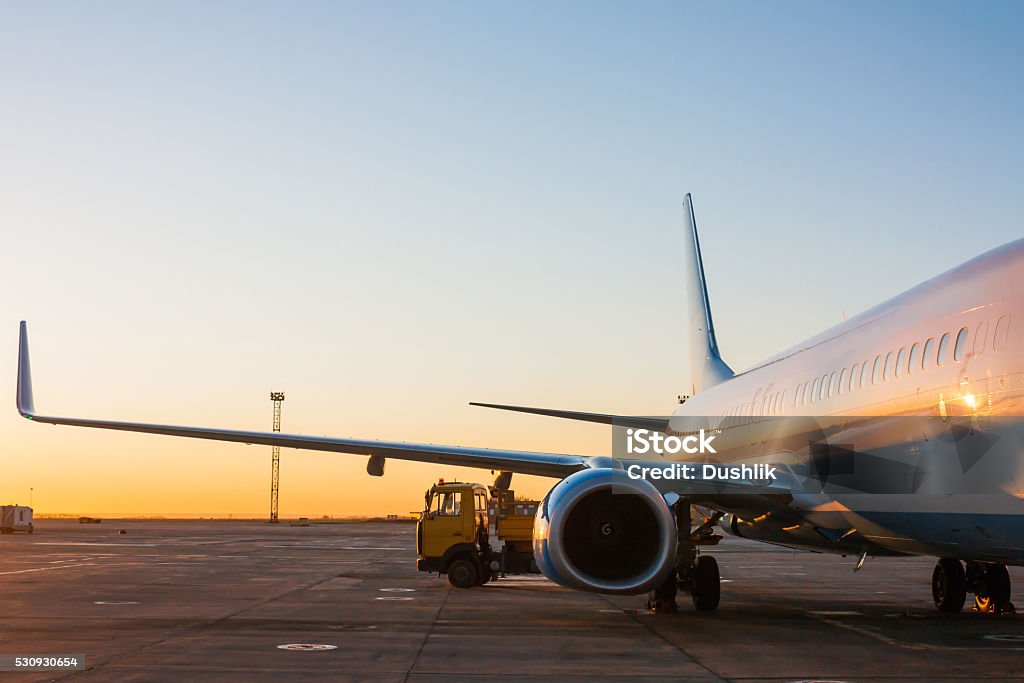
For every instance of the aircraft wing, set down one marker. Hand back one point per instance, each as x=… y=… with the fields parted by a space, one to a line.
x=523 y=462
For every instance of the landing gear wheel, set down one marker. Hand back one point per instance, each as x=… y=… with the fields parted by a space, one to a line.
x=949 y=585
x=993 y=593
x=707 y=587
x=463 y=573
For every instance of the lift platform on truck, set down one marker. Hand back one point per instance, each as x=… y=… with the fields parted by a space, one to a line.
x=474 y=534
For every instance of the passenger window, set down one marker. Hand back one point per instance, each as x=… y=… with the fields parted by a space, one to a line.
x=823 y=394
x=814 y=390
x=940 y=360
x=958 y=347
x=853 y=377
x=876 y=373
x=980 y=337
x=808 y=392
x=842 y=381
x=887 y=374
x=782 y=401
x=1002 y=333
x=864 y=369
x=913 y=357
x=900 y=358
x=926 y=355
x=796 y=396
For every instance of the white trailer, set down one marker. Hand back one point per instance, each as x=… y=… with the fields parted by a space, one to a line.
x=15 y=518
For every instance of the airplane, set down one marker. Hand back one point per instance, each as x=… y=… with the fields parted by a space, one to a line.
x=894 y=432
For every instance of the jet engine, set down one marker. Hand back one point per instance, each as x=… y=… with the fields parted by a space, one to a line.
x=601 y=531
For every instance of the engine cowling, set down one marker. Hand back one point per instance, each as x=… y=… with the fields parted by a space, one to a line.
x=601 y=531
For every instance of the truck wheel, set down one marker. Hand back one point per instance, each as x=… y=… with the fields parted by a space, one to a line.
x=462 y=573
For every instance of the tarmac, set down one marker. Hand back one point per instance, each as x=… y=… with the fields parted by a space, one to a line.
x=216 y=600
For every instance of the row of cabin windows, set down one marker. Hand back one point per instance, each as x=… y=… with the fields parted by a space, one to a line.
x=903 y=362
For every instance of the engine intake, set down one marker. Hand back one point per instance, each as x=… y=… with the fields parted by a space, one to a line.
x=601 y=531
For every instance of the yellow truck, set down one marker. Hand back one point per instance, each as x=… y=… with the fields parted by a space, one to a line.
x=473 y=534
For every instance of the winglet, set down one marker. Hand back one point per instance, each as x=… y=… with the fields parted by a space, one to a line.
x=25 y=405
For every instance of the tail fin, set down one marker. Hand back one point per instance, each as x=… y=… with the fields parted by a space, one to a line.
x=706 y=366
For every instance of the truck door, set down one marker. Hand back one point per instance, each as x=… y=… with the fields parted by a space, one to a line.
x=444 y=526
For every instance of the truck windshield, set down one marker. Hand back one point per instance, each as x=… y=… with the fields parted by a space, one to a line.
x=448 y=504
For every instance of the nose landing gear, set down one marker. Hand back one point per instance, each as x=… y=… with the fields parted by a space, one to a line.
x=989 y=582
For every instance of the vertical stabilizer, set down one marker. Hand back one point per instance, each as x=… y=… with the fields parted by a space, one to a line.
x=706 y=366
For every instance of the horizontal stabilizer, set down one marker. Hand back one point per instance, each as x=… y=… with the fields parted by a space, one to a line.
x=659 y=424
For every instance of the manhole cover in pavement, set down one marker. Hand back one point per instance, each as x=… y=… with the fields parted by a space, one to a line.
x=307 y=647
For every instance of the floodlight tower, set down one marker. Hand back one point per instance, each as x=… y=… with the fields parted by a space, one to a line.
x=275 y=461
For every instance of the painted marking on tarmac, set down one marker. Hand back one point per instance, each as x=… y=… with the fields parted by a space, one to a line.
x=835 y=613
x=1006 y=637
x=132 y=545
x=397 y=590
x=393 y=598
x=49 y=569
x=115 y=602
x=870 y=634
x=307 y=647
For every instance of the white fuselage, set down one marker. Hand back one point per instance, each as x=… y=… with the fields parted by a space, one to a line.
x=949 y=348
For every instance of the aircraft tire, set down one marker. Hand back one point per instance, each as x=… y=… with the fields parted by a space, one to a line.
x=995 y=597
x=707 y=586
x=949 y=585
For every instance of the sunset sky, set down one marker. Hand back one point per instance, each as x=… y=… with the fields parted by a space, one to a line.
x=389 y=210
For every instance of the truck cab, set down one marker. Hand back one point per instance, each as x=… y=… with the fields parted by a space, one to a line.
x=452 y=534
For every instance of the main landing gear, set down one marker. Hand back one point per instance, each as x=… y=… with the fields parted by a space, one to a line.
x=989 y=582
x=694 y=574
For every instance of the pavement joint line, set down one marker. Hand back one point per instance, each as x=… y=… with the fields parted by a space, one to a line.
x=426 y=636
x=194 y=628
x=633 y=616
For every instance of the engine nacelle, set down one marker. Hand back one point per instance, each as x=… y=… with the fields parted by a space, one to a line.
x=601 y=531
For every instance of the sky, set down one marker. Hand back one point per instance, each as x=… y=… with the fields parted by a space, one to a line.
x=387 y=210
